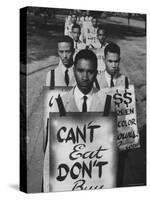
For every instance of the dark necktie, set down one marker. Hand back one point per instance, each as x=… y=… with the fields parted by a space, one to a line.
x=66 y=77
x=84 y=106
x=111 y=82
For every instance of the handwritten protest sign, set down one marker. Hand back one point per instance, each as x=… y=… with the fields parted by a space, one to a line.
x=50 y=104
x=127 y=131
x=100 y=57
x=91 y=38
x=82 y=151
x=50 y=98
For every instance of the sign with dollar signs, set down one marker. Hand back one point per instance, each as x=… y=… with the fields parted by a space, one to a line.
x=125 y=98
x=125 y=106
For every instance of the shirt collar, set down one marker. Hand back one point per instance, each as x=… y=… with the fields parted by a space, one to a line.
x=79 y=41
x=80 y=95
x=64 y=68
x=107 y=76
x=103 y=45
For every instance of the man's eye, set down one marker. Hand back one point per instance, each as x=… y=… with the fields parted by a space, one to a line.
x=79 y=70
x=90 y=72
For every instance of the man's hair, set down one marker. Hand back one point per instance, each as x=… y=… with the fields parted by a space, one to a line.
x=101 y=27
x=113 y=48
x=87 y=55
x=94 y=17
x=67 y=39
x=73 y=13
x=76 y=26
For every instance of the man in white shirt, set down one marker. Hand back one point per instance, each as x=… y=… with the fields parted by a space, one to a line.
x=84 y=97
x=101 y=38
x=81 y=98
x=69 y=24
x=76 y=32
x=93 y=28
x=111 y=76
x=63 y=75
x=100 y=45
x=91 y=32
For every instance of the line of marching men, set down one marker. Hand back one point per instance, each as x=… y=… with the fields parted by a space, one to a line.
x=86 y=33
x=87 y=64
x=83 y=33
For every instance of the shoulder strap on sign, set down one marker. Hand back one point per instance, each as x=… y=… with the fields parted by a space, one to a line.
x=52 y=79
x=61 y=107
x=126 y=83
x=107 y=107
x=45 y=140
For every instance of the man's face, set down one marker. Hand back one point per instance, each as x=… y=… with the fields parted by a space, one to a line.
x=94 y=22
x=112 y=61
x=73 y=19
x=101 y=36
x=65 y=52
x=76 y=34
x=85 y=73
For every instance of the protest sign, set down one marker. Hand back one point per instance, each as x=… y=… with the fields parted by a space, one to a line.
x=50 y=104
x=127 y=129
x=100 y=58
x=50 y=98
x=91 y=38
x=82 y=151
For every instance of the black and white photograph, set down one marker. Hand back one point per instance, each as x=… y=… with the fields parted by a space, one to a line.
x=82 y=99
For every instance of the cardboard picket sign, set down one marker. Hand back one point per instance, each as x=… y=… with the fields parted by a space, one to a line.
x=50 y=104
x=50 y=98
x=127 y=129
x=91 y=38
x=100 y=58
x=82 y=151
